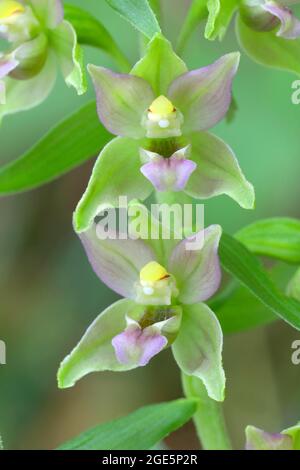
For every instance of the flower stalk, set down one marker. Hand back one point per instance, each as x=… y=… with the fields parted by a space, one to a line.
x=208 y=419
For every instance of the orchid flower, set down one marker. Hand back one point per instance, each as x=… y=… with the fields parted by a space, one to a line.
x=267 y=30
x=160 y=113
x=39 y=38
x=289 y=439
x=268 y=15
x=163 y=307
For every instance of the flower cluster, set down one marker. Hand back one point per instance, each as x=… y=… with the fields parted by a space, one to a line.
x=160 y=113
x=39 y=38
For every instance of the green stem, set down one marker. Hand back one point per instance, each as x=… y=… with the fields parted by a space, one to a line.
x=196 y=13
x=209 y=420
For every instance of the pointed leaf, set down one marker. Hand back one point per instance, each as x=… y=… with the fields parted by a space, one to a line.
x=140 y=430
x=245 y=267
x=138 y=13
x=277 y=238
x=61 y=150
x=293 y=287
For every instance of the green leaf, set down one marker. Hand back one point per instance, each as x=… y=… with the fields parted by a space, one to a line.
x=196 y=13
x=269 y=49
x=242 y=311
x=245 y=267
x=238 y=309
x=140 y=430
x=90 y=31
x=220 y=13
x=62 y=149
x=277 y=238
x=139 y=14
x=159 y=51
x=293 y=287
x=156 y=7
x=116 y=172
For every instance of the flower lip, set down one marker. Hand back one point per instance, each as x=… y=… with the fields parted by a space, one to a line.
x=136 y=345
x=170 y=173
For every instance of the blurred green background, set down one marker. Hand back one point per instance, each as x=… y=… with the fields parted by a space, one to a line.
x=49 y=294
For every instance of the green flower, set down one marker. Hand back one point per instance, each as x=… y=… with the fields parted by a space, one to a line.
x=40 y=39
x=160 y=113
x=289 y=439
x=164 y=289
x=267 y=30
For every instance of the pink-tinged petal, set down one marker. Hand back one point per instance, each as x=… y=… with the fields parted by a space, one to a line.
x=203 y=96
x=195 y=265
x=7 y=65
x=290 y=25
x=122 y=101
x=116 y=262
x=168 y=174
x=49 y=12
x=25 y=94
x=198 y=348
x=256 y=439
x=136 y=346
